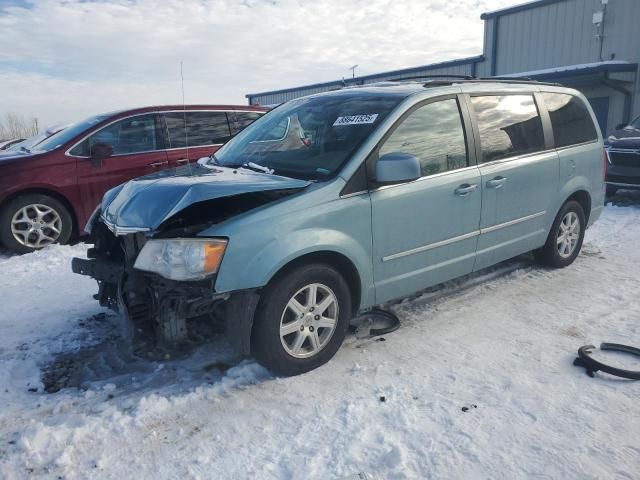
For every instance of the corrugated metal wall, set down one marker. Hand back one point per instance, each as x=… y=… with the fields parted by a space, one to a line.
x=563 y=33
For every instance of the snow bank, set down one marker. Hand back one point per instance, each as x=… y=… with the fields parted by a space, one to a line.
x=478 y=383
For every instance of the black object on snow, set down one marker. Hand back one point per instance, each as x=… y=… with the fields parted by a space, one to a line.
x=591 y=365
x=378 y=315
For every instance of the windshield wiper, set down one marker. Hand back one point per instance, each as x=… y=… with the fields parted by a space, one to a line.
x=24 y=149
x=257 y=168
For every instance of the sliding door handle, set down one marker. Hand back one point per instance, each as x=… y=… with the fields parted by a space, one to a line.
x=496 y=182
x=465 y=189
x=182 y=161
x=159 y=164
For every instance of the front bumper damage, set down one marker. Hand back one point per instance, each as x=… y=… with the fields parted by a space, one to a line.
x=155 y=306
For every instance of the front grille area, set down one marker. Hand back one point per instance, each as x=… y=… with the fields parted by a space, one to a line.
x=625 y=158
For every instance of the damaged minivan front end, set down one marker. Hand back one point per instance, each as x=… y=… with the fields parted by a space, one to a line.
x=152 y=263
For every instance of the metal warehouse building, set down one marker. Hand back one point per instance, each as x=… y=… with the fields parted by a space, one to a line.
x=591 y=45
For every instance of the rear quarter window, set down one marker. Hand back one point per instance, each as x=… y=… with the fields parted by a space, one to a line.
x=570 y=119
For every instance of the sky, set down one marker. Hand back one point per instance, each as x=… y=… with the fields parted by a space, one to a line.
x=63 y=60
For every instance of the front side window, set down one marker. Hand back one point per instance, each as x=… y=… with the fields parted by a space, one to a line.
x=434 y=135
x=130 y=135
x=203 y=128
x=570 y=119
x=309 y=138
x=509 y=125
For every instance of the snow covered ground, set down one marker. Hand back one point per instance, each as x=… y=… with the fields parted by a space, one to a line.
x=500 y=344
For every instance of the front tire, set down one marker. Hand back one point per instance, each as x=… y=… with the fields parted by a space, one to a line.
x=565 y=238
x=33 y=221
x=302 y=319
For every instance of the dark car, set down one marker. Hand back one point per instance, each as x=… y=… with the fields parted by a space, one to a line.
x=31 y=142
x=623 y=158
x=48 y=193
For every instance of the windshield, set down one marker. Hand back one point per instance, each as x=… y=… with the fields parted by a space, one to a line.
x=308 y=138
x=62 y=137
x=636 y=123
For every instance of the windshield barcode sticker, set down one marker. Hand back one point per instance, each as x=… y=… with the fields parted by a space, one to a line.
x=355 y=120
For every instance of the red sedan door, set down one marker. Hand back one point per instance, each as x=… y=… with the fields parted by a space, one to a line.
x=138 y=149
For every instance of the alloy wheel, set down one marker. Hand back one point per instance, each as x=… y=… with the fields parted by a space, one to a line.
x=568 y=234
x=36 y=225
x=309 y=320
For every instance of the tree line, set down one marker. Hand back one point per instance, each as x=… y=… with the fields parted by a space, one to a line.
x=14 y=125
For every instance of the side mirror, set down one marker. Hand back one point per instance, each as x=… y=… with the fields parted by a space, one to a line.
x=397 y=167
x=99 y=152
x=620 y=126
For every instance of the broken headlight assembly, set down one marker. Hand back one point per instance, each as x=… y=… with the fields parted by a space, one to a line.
x=183 y=258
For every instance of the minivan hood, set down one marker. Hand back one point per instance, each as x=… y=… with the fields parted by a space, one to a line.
x=14 y=155
x=145 y=203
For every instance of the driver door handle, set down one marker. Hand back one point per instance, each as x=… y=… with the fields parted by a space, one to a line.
x=496 y=182
x=465 y=189
x=159 y=164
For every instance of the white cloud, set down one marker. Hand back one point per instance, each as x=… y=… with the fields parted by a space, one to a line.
x=61 y=60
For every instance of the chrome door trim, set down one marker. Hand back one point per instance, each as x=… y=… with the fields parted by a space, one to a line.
x=498 y=226
x=465 y=236
x=431 y=246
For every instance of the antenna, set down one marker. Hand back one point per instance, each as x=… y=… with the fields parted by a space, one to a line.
x=184 y=116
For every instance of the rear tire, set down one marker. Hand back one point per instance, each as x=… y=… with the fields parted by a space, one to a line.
x=611 y=191
x=565 y=238
x=301 y=320
x=33 y=221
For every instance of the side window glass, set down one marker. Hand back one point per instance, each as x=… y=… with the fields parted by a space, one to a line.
x=207 y=128
x=434 y=135
x=509 y=125
x=131 y=135
x=570 y=119
x=238 y=121
x=177 y=136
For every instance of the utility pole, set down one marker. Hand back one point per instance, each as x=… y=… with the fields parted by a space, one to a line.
x=353 y=71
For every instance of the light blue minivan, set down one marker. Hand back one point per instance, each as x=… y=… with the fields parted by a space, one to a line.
x=334 y=203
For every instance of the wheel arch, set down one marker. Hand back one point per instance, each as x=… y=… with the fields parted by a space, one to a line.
x=584 y=199
x=51 y=193
x=339 y=261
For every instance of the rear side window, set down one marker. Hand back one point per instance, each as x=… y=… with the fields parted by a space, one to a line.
x=434 y=135
x=239 y=120
x=570 y=119
x=509 y=125
x=203 y=128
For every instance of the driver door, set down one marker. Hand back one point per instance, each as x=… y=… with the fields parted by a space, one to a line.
x=138 y=150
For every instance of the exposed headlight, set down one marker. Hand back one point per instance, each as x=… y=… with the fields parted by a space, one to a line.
x=182 y=259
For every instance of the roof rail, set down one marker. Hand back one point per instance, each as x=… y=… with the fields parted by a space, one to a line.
x=422 y=77
x=520 y=80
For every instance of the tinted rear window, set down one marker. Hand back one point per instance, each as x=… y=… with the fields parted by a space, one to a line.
x=570 y=119
x=509 y=125
x=203 y=128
